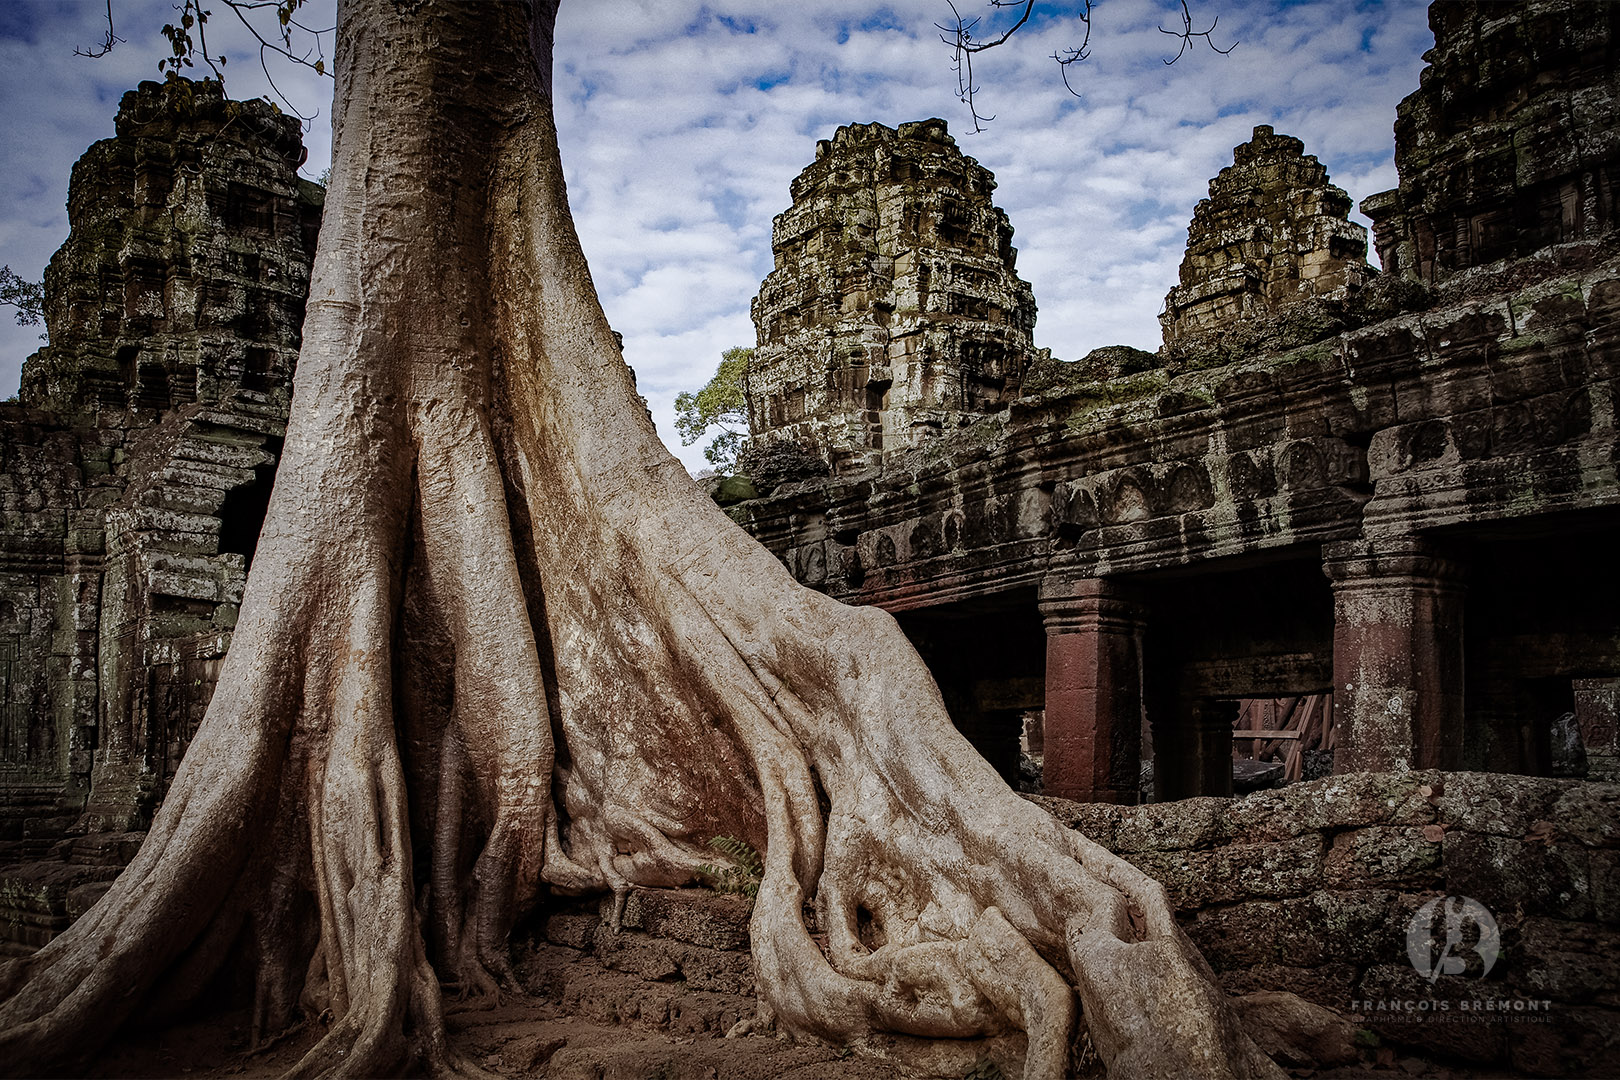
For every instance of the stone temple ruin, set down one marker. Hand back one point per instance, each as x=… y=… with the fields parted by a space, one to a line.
x=894 y=314
x=1369 y=516
x=136 y=467
x=1272 y=233
x=1381 y=500
x=1361 y=522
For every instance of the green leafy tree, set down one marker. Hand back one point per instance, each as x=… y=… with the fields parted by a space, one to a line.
x=28 y=297
x=722 y=403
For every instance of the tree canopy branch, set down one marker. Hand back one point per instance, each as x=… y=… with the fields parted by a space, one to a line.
x=961 y=34
x=187 y=50
x=107 y=43
x=1187 y=33
x=28 y=297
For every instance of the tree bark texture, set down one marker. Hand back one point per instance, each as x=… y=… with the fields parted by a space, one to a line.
x=496 y=639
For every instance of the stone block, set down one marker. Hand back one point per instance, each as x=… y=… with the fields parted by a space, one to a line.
x=663 y=960
x=1588 y=814
x=243 y=422
x=1408 y=1010
x=621 y=998
x=1513 y=876
x=1346 y=801
x=203 y=476
x=1184 y=825
x=160 y=625
x=1496 y=804
x=186 y=499
x=1564 y=960
x=183 y=585
x=1096 y=821
x=636 y=953
x=85 y=542
x=1566 y=1041
x=1384 y=857
x=228 y=455
x=1357 y=927
x=1236 y=872
x=695 y=916
x=173 y=521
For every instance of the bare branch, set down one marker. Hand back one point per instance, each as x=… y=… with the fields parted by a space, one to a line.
x=1065 y=57
x=963 y=31
x=1187 y=33
x=962 y=49
x=313 y=57
x=194 y=18
x=285 y=100
x=959 y=35
x=106 y=46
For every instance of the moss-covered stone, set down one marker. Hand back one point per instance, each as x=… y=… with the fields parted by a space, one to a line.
x=1236 y=872
x=731 y=490
x=1396 y=857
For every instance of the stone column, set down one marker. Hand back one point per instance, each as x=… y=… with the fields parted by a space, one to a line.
x=1093 y=726
x=1193 y=742
x=1397 y=655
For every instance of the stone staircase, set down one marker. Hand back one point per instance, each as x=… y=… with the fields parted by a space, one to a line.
x=679 y=962
x=47 y=881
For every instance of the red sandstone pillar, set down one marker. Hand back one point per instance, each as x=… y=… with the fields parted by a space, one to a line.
x=1397 y=655
x=1093 y=726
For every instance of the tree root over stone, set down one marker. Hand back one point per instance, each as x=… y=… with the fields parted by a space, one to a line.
x=496 y=639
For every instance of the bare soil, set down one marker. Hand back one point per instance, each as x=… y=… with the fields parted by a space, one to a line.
x=523 y=1037
x=536 y=1036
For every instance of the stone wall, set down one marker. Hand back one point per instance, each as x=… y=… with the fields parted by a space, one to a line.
x=49 y=589
x=895 y=313
x=1311 y=890
x=135 y=470
x=1273 y=233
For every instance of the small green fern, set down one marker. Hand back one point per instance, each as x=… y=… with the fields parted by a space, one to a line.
x=742 y=877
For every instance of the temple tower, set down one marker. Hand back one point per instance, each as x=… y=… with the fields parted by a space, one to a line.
x=895 y=312
x=1273 y=232
x=1509 y=143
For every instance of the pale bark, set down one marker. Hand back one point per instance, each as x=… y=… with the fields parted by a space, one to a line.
x=496 y=637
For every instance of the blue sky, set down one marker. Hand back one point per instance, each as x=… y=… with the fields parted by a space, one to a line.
x=682 y=125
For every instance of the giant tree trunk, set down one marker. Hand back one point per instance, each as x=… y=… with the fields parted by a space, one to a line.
x=495 y=637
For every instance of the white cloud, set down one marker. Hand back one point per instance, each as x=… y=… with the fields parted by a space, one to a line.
x=681 y=131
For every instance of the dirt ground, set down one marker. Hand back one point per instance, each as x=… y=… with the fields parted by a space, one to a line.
x=531 y=1038
x=521 y=1038
x=621 y=1005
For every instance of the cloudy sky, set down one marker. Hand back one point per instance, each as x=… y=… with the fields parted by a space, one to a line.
x=682 y=124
